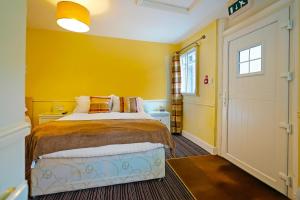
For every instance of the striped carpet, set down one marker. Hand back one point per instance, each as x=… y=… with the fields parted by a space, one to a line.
x=169 y=188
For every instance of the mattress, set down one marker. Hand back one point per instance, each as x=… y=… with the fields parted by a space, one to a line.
x=108 y=150
x=101 y=116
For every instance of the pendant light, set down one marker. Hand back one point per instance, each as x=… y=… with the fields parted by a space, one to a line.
x=73 y=16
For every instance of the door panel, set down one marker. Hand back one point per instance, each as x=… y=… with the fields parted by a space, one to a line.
x=258 y=102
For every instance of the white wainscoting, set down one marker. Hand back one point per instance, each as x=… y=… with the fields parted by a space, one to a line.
x=149 y=105
x=204 y=145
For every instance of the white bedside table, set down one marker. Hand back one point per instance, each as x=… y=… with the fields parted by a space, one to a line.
x=47 y=117
x=163 y=116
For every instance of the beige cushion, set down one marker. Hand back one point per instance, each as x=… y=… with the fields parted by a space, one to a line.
x=128 y=104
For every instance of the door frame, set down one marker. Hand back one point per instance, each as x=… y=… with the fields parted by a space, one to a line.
x=224 y=37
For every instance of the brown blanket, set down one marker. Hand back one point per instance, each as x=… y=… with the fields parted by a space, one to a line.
x=65 y=135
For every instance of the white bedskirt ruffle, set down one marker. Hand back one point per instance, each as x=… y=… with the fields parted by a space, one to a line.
x=52 y=175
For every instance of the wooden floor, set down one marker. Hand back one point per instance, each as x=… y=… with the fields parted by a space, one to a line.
x=213 y=177
x=170 y=188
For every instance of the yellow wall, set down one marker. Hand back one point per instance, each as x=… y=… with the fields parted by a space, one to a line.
x=298 y=3
x=62 y=65
x=200 y=111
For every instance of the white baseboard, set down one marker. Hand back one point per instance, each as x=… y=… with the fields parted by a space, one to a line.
x=12 y=133
x=204 y=145
x=298 y=194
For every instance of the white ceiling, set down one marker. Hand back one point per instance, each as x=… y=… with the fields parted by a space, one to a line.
x=125 y=19
x=182 y=6
x=180 y=3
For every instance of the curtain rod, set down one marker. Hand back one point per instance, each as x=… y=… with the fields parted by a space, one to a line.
x=195 y=42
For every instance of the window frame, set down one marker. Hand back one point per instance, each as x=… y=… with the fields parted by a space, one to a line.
x=262 y=72
x=194 y=48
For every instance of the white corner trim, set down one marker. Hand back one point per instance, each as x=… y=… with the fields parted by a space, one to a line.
x=13 y=133
x=219 y=97
x=208 y=147
x=6 y=131
x=21 y=192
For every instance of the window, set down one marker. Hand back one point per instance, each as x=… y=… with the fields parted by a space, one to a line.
x=188 y=63
x=250 y=60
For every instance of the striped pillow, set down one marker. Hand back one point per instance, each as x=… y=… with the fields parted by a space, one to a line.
x=128 y=104
x=100 y=104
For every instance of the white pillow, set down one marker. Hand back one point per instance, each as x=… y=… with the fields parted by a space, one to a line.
x=115 y=103
x=82 y=104
x=140 y=104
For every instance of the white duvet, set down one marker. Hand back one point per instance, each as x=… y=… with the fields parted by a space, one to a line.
x=111 y=115
x=107 y=150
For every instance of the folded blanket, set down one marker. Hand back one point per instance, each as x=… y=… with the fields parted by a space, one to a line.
x=65 y=135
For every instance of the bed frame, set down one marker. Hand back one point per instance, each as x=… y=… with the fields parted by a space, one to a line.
x=53 y=175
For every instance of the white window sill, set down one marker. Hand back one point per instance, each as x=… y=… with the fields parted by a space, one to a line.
x=189 y=94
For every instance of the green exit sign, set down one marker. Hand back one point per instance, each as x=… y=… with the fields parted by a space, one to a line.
x=237 y=6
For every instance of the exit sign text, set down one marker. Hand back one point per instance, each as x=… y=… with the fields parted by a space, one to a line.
x=237 y=6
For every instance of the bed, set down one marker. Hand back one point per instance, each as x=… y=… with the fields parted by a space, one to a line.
x=84 y=150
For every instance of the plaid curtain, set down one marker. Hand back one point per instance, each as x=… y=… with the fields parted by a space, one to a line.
x=176 y=96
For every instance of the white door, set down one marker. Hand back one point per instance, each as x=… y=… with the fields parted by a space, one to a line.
x=256 y=111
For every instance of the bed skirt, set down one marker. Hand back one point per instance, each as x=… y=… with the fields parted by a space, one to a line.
x=53 y=175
